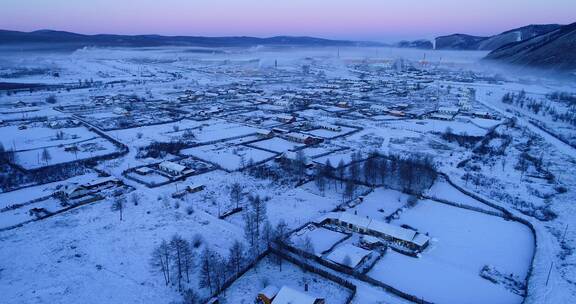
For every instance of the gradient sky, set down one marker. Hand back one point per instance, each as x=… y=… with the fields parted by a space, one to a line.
x=382 y=20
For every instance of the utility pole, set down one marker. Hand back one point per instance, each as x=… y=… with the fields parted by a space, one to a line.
x=565 y=231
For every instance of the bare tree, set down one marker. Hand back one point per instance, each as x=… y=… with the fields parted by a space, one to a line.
x=340 y=171
x=250 y=229
x=281 y=236
x=207 y=269
x=329 y=171
x=268 y=233
x=118 y=205
x=236 y=257
x=300 y=164
x=354 y=168
x=187 y=260
x=177 y=247
x=160 y=260
x=307 y=245
x=382 y=169
x=255 y=218
x=236 y=193
x=320 y=180
x=212 y=270
x=348 y=193
x=46 y=157
x=190 y=297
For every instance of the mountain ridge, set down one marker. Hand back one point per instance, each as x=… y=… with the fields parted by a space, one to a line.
x=8 y=37
x=554 y=50
x=488 y=43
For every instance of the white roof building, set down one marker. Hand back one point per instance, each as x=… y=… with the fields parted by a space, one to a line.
x=287 y=295
x=448 y=110
x=329 y=127
x=101 y=181
x=376 y=227
x=172 y=167
x=379 y=108
x=348 y=255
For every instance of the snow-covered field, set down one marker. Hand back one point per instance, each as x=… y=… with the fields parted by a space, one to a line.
x=229 y=157
x=462 y=243
x=321 y=238
x=276 y=144
x=89 y=255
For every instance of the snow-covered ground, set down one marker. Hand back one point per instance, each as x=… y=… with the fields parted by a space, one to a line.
x=462 y=243
x=267 y=272
x=89 y=254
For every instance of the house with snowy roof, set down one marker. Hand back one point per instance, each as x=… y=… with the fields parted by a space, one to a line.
x=408 y=238
x=288 y=295
x=172 y=168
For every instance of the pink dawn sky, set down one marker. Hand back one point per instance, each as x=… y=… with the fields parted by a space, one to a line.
x=354 y=19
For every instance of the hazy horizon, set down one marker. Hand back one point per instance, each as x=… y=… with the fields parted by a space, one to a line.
x=361 y=20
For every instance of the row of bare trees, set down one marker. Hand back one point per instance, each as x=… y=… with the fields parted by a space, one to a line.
x=174 y=259
x=177 y=260
x=412 y=173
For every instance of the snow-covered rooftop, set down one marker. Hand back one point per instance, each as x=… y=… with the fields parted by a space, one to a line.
x=287 y=295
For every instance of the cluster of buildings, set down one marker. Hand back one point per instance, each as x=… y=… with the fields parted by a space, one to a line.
x=92 y=187
x=392 y=234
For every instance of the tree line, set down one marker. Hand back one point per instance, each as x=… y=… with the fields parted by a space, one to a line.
x=178 y=259
x=411 y=173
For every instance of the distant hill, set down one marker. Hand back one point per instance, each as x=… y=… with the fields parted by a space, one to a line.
x=459 y=42
x=468 y=42
x=515 y=35
x=416 y=44
x=553 y=50
x=80 y=40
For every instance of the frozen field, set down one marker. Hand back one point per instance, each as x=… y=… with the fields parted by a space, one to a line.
x=462 y=243
x=20 y=215
x=227 y=156
x=160 y=133
x=276 y=144
x=34 y=159
x=335 y=158
x=36 y=137
x=247 y=287
x=443 y=190
x=30 y=193
x=219 y=130
x=432 y=125
x=381 y=203
x=331 y=134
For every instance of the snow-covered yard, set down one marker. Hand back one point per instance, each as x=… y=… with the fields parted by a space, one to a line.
x=321 y=239
x=229 y=157
x=267 y=272
x=462 y=243
x=276 y=144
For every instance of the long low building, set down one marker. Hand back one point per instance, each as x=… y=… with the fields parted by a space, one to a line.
x=405 y=237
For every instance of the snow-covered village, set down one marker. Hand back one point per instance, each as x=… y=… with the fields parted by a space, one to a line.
x=284 y=172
